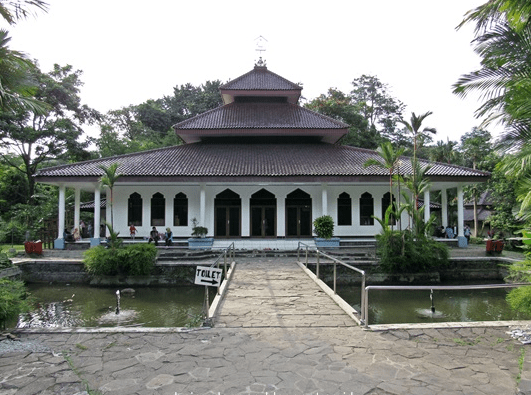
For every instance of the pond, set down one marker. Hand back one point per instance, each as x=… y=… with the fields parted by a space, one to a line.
x=62 y=305
x=414 y=306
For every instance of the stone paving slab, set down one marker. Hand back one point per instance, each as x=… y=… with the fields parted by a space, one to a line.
x=270 y=292
x=292 y=360
x=270 y=351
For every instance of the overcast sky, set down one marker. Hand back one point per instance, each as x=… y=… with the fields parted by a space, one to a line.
x=132 y=51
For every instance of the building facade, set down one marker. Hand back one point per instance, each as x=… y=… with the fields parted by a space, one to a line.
x=259 y=166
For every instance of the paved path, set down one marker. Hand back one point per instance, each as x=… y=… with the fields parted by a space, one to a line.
x=267 y=359
x=274 y=293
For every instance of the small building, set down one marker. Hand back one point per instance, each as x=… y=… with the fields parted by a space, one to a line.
x=259 y=166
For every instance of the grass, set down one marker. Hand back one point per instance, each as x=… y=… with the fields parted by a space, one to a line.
x=521 y=360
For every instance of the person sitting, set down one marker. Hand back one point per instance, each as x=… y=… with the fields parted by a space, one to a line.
x=449 y=232
x=76 y=234
x=168 y=237
x=154 y=236
x=68 y=236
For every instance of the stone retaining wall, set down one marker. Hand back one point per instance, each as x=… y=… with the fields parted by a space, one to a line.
x=164 y=274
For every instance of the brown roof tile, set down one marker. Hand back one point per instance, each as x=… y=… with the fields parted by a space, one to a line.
x=260 y=78
x=249 y=160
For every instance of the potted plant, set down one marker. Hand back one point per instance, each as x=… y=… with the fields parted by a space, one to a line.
x=324 y=229
x=199 y=239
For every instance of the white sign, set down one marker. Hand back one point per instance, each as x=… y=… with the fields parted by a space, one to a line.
x=208 y=276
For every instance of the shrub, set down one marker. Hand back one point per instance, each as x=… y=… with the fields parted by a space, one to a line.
x=520 y=299
x=402 y=252
x=5 y=262
x=13 y=299
x=137 y=259
x=324 y=227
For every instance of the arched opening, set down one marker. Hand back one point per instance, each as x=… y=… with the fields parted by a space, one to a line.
x=263 y=214
x=180 y=210
x=344 y=210
x=134 y=209
x=227 y=214
x=298 y=214
x=366 y=209
x=158 y=209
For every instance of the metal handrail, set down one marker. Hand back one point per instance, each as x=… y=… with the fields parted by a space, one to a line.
x=335 y=261
x=232 y=254
x=365 y=292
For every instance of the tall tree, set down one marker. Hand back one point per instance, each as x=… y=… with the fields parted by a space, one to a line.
x=444 y=152
x=14 y=10
x=414 y=128
x=110 y=175
x=504 y=78
x=378 y=107
x=390 y=160
x=36 y=138
x=338 y=105
x=16 y=85
x=476 y=145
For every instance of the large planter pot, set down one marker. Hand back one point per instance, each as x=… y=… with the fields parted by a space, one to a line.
x=197 y=243
x=320 y=242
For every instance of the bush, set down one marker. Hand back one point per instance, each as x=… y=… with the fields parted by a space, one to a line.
x=324 y=227
x=402 y=252
x=137 y=259
x=520 y=299
x=5 y=262
x=13 y=299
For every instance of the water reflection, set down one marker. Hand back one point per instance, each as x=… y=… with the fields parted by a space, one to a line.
x=401 y=306
x=84 y=306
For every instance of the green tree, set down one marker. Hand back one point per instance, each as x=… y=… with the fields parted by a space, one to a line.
x=414 y=128
x=36 y=138
x=378 y=107
x=14 y=10
x=16 y=85
x=335 y=104
x=108 y=180
x=444 y=152
x=390 y=161
x=476 y=146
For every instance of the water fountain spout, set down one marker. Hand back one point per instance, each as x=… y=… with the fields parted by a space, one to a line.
x=432 y=305
x=118 y=302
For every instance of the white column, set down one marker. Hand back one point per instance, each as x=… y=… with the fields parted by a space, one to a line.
x=97 y=212
x=460 y=211
x=324 y=200
x=246 y=216
x=61 y=220
x=77 y=195
x=202 y=206
x=426 y=206
x=108 y=210
x=444 y=204
x=281 y=215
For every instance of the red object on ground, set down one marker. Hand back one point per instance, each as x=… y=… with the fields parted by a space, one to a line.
x=494 y=246
x=32 y=247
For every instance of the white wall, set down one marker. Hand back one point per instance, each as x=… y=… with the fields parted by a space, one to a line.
x=122 y=193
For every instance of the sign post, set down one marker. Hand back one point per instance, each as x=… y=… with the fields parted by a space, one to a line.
x=208 y=276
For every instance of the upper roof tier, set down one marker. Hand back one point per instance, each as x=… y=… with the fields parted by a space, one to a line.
x=261 y=104
x=260 y=82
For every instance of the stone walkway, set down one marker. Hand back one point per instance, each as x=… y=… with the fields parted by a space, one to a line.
x=273 y=293
x=276 y=352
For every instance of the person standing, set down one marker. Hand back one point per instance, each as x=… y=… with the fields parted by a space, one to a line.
x=132 y=231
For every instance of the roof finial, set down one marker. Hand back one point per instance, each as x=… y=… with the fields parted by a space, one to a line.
x=260 y=47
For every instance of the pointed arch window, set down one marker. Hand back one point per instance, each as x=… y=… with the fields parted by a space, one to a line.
x=366 y=209
x=158 y=209
x=134 y=209
x=344 y=210
x=386 y=202
x=180 y=210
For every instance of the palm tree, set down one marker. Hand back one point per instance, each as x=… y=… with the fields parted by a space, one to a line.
x=16 y=88
x=14 y=10
x=414 y=126
x=504 y=81
x=108 y=180
x=391 y=159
